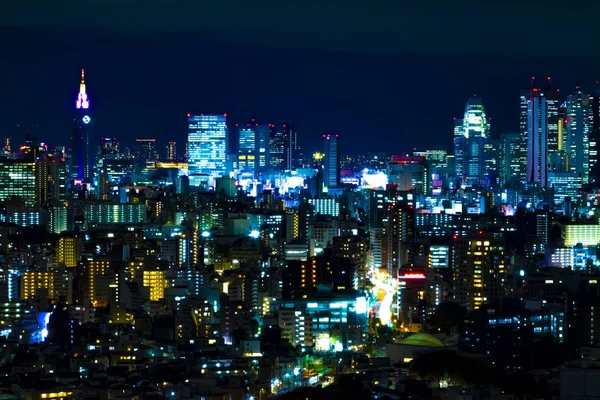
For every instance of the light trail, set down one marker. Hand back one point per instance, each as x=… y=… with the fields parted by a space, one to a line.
x=383 y=292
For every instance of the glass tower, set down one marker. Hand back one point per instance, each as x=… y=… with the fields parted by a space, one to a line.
x=538 y=124
x=207 y=146
x=578 y=134
x=332 y=161
x=474 y=160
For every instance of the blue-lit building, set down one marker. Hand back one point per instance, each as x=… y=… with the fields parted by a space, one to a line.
x=326 y=321
x=81 y=155
x=332 y=161
x=473 y=161
x=206 y=147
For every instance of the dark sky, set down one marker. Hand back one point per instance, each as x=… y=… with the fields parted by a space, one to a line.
x=385 y=76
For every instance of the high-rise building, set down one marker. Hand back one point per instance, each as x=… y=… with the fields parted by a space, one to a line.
x=472 y=152
x=292 y=148
x=172 y=151
x=49 y=179
x=207 y=146
x=284 y=148
x=263 y=149
x=81 y=156
x=69 y=250
x=332 y=161
x=145 y=152
x=17 y=179
x=579 y=115
x=508 y=168
x=247 y=146
x=538 y=124
x=594 y=173
x=479 y=270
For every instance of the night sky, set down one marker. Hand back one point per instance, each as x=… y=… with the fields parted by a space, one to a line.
x=386 y=78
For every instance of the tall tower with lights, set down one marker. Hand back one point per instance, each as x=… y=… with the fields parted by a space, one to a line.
x=81 y=156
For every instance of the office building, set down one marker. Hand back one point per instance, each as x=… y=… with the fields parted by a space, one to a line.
x=145 y=153
x=207 y=146
x=538 y=124
x=578 y=134
x=247 y=147
x=172 y=151
x=17 y=179
x=332 y=162
x=81 y=155
x=106 y=213
x=594 y=161
x=508 y=168
x=472 y=152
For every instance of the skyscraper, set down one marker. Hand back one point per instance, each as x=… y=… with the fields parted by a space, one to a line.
x=172 y=151
x=332 y=161
x=473 y=164
x=538 y=124
x=247 y=146
x=263 y=150
x=81 y=156
x=207 y=146
x=595 y=137
x=145 y=152
x=508 y=167
x=578 y=134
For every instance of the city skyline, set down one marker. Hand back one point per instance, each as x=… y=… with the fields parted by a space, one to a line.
x=338 y=108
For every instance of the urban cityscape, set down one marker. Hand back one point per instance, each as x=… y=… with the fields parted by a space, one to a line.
x=257 y=259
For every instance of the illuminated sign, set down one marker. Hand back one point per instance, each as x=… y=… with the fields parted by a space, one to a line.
x=412 y=275
x=86 y=119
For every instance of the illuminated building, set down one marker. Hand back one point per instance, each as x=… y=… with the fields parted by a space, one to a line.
x=17 y=179
x=172 y=151
x=58 y=219
x=157 y=283
x=355 y=250
x=50 y=179
x=320 y=319
x=24 y=218
x=263 y=148
x=578 y=134
x=563 y=185
x=332 y=161
x=412 y=300
x=81 y=156
x=69 y=250
x=322 y=232
x=31 y=282
x=327 y=206
x=594 y=145
x=439 y=256
x=283 y=147
x=472 y=155
x=538 y=125
x=106 y=213
x=145 y=153
x=409 y=173
x=6 y=149
x=99 y=280
x=479 y=270
x=587 y=235
x=109 y=148
x=207 y=146
x=508 y=167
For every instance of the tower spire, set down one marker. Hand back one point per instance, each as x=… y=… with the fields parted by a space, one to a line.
x=82 y=99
